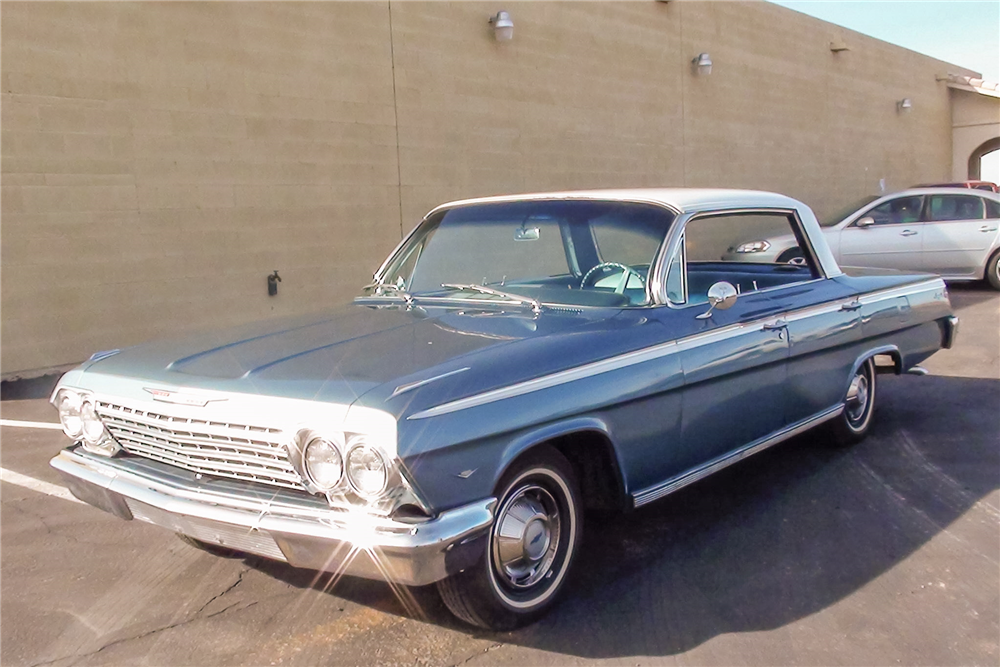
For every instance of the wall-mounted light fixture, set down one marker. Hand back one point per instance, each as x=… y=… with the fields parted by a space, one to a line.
x=904 y=105
x=839 y=45
x=702 y=64
x=503 y=26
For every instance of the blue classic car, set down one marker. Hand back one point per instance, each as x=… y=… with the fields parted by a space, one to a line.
x=516 y=361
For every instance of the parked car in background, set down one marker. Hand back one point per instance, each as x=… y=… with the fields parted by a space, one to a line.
x=974 y=185
x=942 y=230
x=516 y=361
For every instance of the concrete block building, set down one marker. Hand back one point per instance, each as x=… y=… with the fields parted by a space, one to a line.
x=160 y=160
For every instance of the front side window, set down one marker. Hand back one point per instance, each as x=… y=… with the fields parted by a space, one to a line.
x=955 y=207
x=899 y=211
x=576 y=252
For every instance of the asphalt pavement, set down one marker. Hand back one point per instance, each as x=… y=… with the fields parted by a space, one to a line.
x=882 y=554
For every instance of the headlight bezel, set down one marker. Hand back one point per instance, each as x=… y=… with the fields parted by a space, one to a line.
x=395 y=491
x=92 y=434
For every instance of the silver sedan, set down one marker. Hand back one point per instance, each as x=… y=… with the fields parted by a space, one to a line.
x=954 y=233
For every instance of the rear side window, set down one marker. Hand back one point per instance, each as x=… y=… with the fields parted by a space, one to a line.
x=992 y=209
x=955 y=207
x=899 y=211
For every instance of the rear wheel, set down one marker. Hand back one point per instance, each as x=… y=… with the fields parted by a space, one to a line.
x=859 y=405
x=792 y=256
x=535 y=534
x=993 y=271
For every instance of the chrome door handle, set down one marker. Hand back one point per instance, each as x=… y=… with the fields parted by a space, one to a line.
x=852 y=305
x=778 y=325
x=986 y=228
x=907 y=232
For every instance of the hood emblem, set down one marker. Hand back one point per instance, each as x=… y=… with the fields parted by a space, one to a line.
x=180 y=399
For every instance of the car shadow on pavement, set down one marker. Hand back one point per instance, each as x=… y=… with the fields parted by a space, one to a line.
x=970 y=293
x=27 y=388
x=766 y=542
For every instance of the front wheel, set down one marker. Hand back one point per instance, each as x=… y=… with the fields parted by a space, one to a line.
x=859 y=404
x=535 y=534
x=993 y=271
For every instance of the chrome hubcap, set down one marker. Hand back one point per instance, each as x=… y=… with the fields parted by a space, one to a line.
x=857 y=397
x=525 y=536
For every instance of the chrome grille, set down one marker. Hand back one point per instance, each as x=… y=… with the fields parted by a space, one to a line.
x=223 y=449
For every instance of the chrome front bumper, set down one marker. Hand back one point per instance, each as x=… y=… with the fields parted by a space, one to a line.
x=300 y=530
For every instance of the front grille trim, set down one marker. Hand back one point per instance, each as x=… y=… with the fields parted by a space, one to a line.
x=212 y=447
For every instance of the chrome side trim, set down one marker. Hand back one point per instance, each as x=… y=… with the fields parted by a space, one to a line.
x=594 y=368
x=403 y=388
x=657 y=491
x=906 y=290
x=546 y=381
x=658 y=351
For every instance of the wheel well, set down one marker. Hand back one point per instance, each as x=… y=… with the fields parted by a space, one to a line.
x=593 y=459
x=788 y=254
x=888 y=362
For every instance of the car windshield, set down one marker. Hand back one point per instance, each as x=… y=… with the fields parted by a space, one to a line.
x=839 y=216
x=578 y=252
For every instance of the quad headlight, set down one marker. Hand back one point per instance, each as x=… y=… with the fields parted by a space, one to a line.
x=353 y=470
x=69 y=403
x=79 y=419
x=323 y=463
x=367 y=472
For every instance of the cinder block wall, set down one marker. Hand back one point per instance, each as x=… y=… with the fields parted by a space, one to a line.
x=159 y=160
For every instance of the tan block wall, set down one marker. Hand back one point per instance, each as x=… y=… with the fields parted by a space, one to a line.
x=159 y=160
x=975 y=120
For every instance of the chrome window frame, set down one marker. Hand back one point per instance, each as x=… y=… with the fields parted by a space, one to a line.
x=677 y=244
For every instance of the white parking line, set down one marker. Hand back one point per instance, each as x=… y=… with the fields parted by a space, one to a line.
x=36 y=485
x=15 y=422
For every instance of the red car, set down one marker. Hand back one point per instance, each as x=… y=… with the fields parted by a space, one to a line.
x=974 y=185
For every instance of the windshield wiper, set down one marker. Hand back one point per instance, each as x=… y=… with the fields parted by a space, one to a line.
x=535 y=304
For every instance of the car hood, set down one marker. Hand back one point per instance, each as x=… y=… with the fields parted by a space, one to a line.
x=338 y=355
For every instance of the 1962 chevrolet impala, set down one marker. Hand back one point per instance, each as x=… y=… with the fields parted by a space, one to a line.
x=516 y=361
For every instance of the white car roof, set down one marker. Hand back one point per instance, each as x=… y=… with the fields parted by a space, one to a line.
x=684 y=200
x=946 y=190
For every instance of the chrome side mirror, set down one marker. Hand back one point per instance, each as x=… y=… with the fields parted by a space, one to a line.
x=864 y=222
x=721 y=295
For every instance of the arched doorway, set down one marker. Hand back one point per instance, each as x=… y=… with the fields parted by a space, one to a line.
x=975 y=159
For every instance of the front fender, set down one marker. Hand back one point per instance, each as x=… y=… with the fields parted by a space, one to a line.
x=466 y=472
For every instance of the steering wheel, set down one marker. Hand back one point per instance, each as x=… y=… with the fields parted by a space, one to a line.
x=627 y=271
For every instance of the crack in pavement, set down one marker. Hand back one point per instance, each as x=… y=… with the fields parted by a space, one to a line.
x=146 y=634
x=236 y=583
x=197 y=616
x=486 y=650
